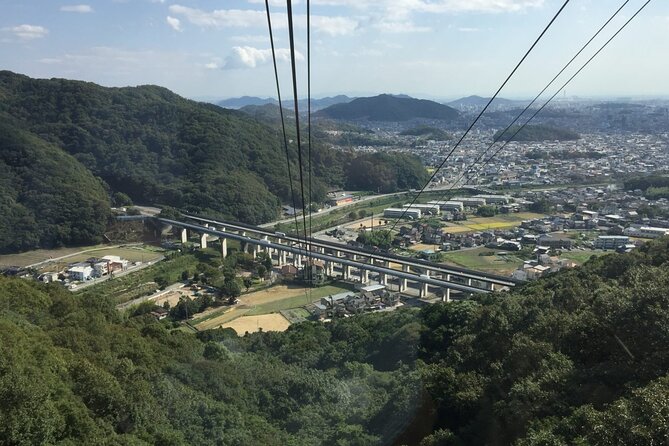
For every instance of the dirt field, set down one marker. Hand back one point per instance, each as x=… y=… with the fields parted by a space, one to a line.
x=423 y=247
x=173 y=297
x=268 y=322
x=502 y=221
x=378 y=222
x=63 y=256
x=271 y=300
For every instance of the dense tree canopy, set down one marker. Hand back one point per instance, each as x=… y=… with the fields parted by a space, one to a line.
x=148 y=145
x=157 y=147
x=47 y=198
x=576 y=358
x=383 y=172
x=538 y=132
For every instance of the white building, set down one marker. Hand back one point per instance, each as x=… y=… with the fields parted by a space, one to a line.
x=412 y=214
x=425 y=208
x=471 y=202
x=646 y=232
x=448 y=205
x=494 y=199
x=80 y=273
x=611 y=241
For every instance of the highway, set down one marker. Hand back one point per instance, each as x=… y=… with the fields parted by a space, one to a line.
x=381 y=256
x=327 y=257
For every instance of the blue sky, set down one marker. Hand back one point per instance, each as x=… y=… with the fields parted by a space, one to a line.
x=426 y=48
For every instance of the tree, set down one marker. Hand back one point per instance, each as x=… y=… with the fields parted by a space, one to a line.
x=121 y=199
x=262 y=271
x=248 y=281
x=541 y=206
x=185 y=275
x=486 y=211
x=231 y=288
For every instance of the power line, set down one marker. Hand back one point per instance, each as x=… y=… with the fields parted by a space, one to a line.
x=309 y=107
x=527 y=53
x=310 y=278
x=291 y=37
x=568 y=81
x=508 y=127
x=283 y=123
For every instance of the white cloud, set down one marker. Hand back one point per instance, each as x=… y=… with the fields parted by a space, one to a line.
x=247 y=18
x=250 y=57
x=83 y=9
x=248 y=38
x=437 y=6
x=28 y=32
x=221 y=18
x=50 y=61
x=334 y=26
x=401 y=27
x=465 y=29
x=174 y=23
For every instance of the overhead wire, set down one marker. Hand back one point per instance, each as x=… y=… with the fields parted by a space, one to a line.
x=510 y=139
x=527 y=53
x=310 y=278
x=291 y=37
x=283 y=122
x=499 y=136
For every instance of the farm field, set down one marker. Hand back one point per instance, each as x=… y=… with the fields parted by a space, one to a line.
x=501 y=221
x=251 y=324
x=470 y=258
x=62 y=256
x=271 y=300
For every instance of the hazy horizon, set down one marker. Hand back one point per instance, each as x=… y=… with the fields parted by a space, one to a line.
x=449 y=48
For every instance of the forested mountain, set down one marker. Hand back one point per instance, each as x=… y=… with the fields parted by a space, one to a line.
x=427 y=132
x=480 y=102
x=389 y=108
x=578 y=357
x=47 y=198
x=156 y=146
x=316 y=103
x=148 y=143
x=244 y=101
x=537 y=133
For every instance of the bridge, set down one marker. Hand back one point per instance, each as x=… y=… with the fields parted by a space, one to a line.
x=342 y=257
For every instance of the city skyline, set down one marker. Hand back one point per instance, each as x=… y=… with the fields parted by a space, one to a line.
x=435 y=49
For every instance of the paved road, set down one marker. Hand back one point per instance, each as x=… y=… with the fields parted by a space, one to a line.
x=325 y=211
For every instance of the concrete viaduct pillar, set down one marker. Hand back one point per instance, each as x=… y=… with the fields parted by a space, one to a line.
x=184 y=235
x=347 y=271
x=364 y=275
x=383 y=277
x=404 y=282
x=447 y=295
x=282 y=258
x=423 y=290
x=203 y=241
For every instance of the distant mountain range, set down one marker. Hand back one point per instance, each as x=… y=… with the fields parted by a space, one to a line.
x=478 y=101
x=316 y=104
x=387 y=107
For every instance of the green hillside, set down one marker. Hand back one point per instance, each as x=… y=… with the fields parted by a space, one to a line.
x=157 y=147
x=389 y=108
x=537 y=133
x=47 y=198
x=427 y=132
x=579 y=357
